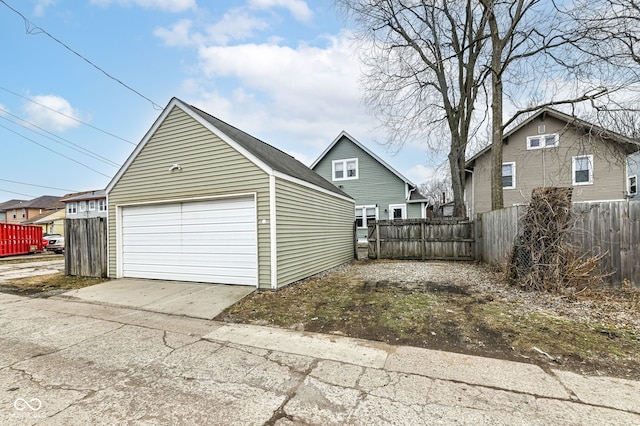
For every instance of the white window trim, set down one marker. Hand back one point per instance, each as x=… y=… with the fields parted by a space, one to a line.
x=542 y=138
x=91 y=205
x=344 y=169
x=397 y=206
x=364 y=211
x=513 y=176
x=72 y=208
x=573 y=170
x=629 y=185
x=102 y=205
x=82 y=206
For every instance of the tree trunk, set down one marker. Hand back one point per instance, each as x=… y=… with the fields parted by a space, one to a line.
x=497 y=46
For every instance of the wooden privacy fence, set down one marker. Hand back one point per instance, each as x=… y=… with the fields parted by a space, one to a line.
x=609 y=228
x=450 y=239
x=86 y=247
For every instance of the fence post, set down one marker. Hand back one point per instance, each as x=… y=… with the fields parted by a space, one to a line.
x=377 y=240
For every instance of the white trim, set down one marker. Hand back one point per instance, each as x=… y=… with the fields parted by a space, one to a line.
x=629 y=184
x=311 y=186
x=118 y=217
x=364 y=216
x=91 y=205
x=573 y=169
x=345 y=168
x=542 y=138
x=273 y=235
x=365 y=149
x=398 y=206
x=513 y=175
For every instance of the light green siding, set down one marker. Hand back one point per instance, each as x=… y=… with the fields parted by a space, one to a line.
x=552 y=166
x=314 y=231
x=376 y=184
x=210 y=167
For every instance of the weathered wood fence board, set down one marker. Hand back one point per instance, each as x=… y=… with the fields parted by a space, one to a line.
x=608 y=228
x=86 y=247
x=421 y=239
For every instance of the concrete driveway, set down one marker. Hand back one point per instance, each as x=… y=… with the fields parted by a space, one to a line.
x=196 y=300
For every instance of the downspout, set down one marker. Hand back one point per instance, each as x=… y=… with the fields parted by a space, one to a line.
x=273 y=233
x=473 y=194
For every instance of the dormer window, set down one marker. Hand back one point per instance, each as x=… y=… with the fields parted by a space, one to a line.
x=543 y=141
x=345 y=169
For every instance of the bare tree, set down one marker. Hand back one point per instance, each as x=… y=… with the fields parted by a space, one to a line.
x=422 y=73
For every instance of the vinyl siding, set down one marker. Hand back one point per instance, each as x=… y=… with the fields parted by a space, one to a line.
x=210 y=167
x=314 y=231
x=376 y=184
x=552 y=166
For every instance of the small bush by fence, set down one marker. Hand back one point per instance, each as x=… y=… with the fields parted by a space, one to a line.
x=86 y=247
x=450 y=239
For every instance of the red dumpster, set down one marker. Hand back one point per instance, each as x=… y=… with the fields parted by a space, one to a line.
x=19 y=239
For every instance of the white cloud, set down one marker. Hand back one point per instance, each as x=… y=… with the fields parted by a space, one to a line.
x=298 y=8
x=419 y=174
x=41 y=5
x=173 y=6
x=235 y=25
x=53 y=113
x=177 y=35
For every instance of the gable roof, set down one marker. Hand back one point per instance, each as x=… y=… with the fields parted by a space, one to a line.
x=9 y=204
x=569 y=119
x=87 y=195
x=43 y=202
x=262 y=154
x=365 y=149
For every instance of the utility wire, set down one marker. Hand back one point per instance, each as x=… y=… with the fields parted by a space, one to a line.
x=54 y=151
x=17 y=193
x=38 y=186
x=32 y=28
x=65 y=115
x=73 y=146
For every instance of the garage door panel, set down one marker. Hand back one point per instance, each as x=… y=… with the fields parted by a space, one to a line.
x=211 y=241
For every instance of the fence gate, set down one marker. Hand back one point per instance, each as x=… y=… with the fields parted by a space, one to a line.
x=86 y=247
x=422 y=239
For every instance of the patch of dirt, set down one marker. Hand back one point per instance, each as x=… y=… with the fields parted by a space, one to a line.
x=44 y=286
x=459 y=307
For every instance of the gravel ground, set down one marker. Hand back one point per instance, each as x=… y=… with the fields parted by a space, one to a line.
x=614 y=307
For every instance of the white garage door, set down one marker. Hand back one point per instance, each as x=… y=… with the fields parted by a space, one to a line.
x=204 y=241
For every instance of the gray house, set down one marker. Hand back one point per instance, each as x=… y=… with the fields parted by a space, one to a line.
x=86 y=205
x=200 y=200
x=380 y=191
x=551 y=148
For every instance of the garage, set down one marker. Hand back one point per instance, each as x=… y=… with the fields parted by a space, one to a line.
x=204 y=241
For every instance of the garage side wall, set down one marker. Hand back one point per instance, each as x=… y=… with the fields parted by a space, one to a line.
x=210 y=168
x=314 y=231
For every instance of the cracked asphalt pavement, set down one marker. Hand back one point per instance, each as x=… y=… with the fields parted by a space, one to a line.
x=64 y=362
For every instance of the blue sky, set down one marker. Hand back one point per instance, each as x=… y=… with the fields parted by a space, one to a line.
x=285 y=71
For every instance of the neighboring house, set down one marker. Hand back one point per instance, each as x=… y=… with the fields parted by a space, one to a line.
x=551 y=148
x=633 y=172
x=86 y=205
x=381 y=192
x=200 y=200
x=51 y=222
x=26 y=211
x=5 y=205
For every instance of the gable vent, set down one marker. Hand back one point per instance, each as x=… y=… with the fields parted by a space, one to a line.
x=541 y=129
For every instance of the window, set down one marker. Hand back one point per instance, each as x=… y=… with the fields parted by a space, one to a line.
x=102 y=205
x=582 y=170
x=14 y=214
x=92 y=205
x=508 y=175
x=24 y=213
x=82 y=206
x=632 y=185
x=345 y=169
x=364 y=214
x=543 y=141
x=72 y=208
x=397 y=211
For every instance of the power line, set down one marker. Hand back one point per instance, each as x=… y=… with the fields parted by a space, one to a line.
x=17 y=193
x=54 y=151
x=73 y=146
x=68 y=116
x=31 y=28
x=37 y=186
